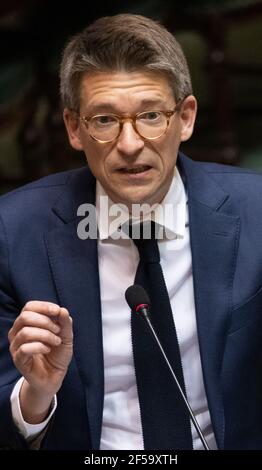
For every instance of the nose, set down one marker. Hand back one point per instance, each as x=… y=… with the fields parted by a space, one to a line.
x=129 y=142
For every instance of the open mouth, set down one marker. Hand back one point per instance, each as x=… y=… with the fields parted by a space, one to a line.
x=135 y=170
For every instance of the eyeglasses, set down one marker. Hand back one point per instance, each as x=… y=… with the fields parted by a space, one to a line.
x=149 y=125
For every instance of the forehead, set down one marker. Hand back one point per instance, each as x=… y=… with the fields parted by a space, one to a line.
x=122 y=90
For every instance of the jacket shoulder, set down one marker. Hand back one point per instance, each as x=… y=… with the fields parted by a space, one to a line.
x=237 y=181
x=42 y=191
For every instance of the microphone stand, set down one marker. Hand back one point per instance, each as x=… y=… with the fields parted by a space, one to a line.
x=144 y=313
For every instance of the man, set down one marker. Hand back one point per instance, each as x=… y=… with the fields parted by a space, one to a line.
x=128 y=105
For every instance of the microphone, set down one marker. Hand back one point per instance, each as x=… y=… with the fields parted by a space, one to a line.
x=138 y=299
x=139 y=302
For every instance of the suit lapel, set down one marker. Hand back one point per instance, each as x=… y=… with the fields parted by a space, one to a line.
x=214 y=241
x=74 y=265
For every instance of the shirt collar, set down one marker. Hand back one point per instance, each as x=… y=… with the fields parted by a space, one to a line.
x=169 y=214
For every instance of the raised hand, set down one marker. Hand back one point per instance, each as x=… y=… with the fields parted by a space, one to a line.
x=41 y=345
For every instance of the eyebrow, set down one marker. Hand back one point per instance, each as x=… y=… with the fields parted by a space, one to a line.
x=110 y=108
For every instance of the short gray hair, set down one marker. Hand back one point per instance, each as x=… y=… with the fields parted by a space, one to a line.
x=123 y=42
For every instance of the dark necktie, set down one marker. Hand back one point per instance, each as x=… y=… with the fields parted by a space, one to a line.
x=165 y=420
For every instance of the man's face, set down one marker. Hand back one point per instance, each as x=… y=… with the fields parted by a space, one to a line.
x=131 y=169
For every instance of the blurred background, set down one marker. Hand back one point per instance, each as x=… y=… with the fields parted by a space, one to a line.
x=221 y=39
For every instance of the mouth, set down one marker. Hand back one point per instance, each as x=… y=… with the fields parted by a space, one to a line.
x=135 y=170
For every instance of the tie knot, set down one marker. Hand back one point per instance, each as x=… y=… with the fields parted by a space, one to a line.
x=143 y=236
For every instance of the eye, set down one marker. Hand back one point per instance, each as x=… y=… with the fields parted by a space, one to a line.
x=104 y=120
x=150 y=116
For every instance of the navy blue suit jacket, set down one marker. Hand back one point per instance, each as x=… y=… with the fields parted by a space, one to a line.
x=41 y=258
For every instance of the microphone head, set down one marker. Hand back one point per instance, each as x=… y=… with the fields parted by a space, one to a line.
x=136 y=295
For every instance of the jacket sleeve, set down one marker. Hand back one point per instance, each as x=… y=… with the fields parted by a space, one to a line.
x=10 y=438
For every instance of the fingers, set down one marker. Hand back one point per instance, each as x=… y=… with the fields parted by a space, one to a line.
x=31 y=318
x=27 y=350
x=41 y=344
x=32 y=334
x=41 y=322
x=47 y=308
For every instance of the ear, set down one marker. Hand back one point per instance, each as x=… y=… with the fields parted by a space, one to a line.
x=187 y=114
x=72 y=124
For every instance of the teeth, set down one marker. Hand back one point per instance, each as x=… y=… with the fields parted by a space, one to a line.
x=138 y=169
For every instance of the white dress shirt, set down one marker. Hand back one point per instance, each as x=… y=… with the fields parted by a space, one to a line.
x=118 y=260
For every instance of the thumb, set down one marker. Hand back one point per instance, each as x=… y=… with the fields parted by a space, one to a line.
x=65 y=322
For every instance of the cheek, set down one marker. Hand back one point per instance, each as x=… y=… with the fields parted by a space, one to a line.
x=166 y=168
x=94 y=155
x=168 y=156
x=98 y=161
x=170 y=152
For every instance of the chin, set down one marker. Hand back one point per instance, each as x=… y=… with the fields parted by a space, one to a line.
x=135 y=196
x=139 y=200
